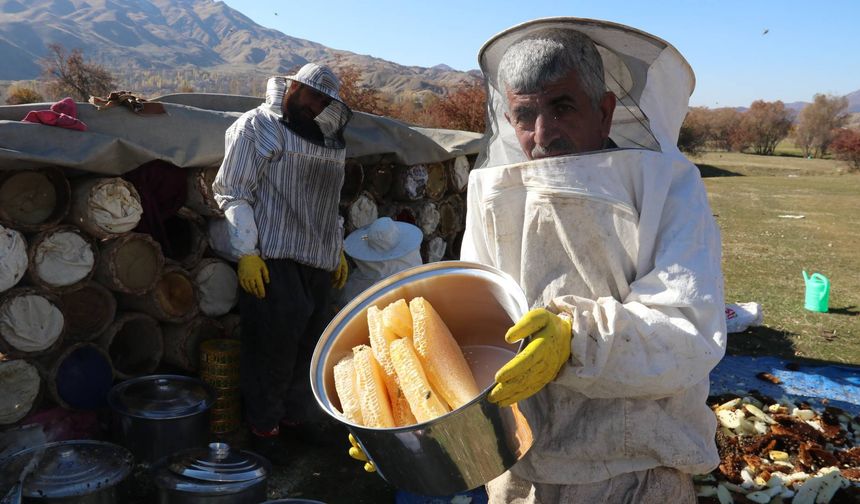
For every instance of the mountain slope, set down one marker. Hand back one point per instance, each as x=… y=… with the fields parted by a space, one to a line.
x=174 y=34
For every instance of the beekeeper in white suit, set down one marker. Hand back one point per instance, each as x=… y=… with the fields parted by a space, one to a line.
x=583 y=197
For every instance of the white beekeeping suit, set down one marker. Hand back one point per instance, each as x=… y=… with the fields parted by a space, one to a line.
x=622 y=240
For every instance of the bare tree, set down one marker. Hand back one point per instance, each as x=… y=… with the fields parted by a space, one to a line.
x=69 y=74
x=818 y=124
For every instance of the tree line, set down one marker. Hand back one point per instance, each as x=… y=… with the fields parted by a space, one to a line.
x=818 y=130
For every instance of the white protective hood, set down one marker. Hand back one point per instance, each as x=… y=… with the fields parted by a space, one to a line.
x=649 y=77
x=622 y=240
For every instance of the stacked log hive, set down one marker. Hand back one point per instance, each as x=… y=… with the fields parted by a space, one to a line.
x=68 y=257
x=124 y=307
x=430 y=196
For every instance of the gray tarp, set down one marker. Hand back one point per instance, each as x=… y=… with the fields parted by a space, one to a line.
x=191 y=134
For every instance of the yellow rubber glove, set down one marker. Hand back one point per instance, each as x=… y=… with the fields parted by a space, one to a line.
x=358 y=454
x=338 y=278
x=252 y=273
x=539 y=362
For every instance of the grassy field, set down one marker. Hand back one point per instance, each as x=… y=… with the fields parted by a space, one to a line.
x=780 y=215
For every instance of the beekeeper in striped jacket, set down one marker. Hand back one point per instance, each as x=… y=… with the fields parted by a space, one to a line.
x=583 y=197
x=279 y=187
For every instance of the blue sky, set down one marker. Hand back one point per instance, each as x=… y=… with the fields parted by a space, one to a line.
x=810 y=47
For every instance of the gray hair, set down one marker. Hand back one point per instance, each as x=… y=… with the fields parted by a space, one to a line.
x=548 y=55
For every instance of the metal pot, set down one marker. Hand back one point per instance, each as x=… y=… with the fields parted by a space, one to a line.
x=212 y=475
x=469 y=446
x=70 y=472
x=156 y=415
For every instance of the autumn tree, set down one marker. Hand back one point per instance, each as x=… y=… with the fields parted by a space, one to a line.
x=724 y=125
x=765 y=124
x=464 y=108
x=846 y=146
x=818 y=124
x=356 y=94
x=19 y=95
x=69 y=74
x=695 y=130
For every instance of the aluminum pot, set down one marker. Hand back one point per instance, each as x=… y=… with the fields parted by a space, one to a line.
x=212 y=475
x=157 y=415
x=467 y=447
x=69 y=472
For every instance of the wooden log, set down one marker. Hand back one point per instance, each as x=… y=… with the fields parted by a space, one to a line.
x=437 y=181
x=182 y=341
x=61 y=258
x=217 y=286
x=409 y=182
x=353 y=182
x=88 y=311
x=186 y=237
x=31 y=322
x=21 y=384
x=458 y=175
x=362 y=212
x=33 y=200
x=201 y=197
x=130 y=263
x=104 y=206
x=452 y=215
x=13 y=258
x=378 y=179
x=433 y=249
x=232 y=324
x=80 y=377
x=173 y=299
x=134 y=343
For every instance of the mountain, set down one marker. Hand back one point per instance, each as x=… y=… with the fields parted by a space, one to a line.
x=166 y=35
x=853 y=101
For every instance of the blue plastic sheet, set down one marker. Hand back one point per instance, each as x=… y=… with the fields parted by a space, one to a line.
x=819 y=385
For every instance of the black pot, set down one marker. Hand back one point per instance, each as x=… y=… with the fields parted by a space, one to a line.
x=70 y=472
x=156 y=415
x=213 y=475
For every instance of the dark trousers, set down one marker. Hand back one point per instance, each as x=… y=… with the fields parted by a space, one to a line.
x=279 y=334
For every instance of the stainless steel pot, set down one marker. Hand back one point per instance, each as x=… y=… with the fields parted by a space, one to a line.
x=156 y=415
x=212 y=475
x=70 y=472
x=469 y=446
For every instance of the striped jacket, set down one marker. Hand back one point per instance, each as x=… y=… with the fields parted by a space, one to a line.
x=291 y=187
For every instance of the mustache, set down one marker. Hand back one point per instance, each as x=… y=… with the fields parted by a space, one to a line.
x=557 y=147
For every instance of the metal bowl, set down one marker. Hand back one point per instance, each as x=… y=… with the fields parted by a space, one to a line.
x=475 y=443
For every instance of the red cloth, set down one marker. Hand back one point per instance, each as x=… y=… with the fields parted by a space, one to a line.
x=64 y=114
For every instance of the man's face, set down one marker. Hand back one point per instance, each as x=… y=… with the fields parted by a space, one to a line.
x=559 y=119
x=304 y=103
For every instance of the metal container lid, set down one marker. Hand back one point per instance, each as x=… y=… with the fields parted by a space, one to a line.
x=161 y=397
x=215 y=469
x=68 y=468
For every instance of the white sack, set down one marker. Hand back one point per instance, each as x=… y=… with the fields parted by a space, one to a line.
x=217 y=283
x=114 y=208
x=19 y=381
x=63 y=259
x=13 y=257
x=30 y=323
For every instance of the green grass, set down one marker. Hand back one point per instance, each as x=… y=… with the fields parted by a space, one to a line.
x=764 y=253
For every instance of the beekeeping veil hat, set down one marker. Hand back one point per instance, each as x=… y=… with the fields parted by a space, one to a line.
x=650 y=78
x=334 y=118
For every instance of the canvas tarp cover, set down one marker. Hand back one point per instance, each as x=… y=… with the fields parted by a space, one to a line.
x=191 y=134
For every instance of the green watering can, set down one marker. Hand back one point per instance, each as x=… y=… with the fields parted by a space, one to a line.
x=817 y=292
